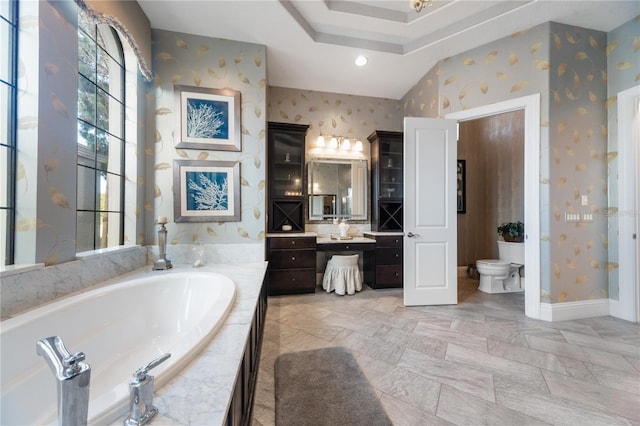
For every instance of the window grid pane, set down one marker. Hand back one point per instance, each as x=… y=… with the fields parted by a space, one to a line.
x=8 y=100
x=100 y=218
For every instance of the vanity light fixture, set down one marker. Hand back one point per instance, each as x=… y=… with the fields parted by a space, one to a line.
x=320 y=142
x=358 y=146
x=333 y=143
x=361 y=61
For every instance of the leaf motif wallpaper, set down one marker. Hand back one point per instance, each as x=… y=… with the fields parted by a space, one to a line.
x=192 y=60
x=333 y=113
x=569 y=67
x=623 y=47
x=46 y=170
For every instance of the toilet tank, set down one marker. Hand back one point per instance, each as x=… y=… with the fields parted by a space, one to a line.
x=512 y=252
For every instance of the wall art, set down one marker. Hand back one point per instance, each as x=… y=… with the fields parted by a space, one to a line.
x=206 y=191
x=208 y=118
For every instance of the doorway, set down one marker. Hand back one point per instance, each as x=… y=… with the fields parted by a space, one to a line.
x=531 y=107
x=492 y=149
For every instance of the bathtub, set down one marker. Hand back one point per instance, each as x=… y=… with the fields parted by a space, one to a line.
x=120 y=326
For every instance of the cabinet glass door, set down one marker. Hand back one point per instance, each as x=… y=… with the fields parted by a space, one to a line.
x=286 y=166
x=391 y=169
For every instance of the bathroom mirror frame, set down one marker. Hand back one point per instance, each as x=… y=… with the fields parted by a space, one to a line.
x=345 y=197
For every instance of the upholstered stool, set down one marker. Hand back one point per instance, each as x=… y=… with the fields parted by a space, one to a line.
x=342 y=275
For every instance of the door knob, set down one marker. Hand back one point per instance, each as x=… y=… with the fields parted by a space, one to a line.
x=411 y=235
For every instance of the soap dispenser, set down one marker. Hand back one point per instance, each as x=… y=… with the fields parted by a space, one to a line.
x=344 y=229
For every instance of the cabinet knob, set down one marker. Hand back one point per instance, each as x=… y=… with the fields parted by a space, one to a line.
x=293 y=243
x=397 y=274
x=397 y=241
x=397 y=255
x=347 y=247
x=293 y=258
x=293 y=278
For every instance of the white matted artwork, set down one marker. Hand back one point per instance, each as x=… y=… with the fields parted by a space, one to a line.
x=206 y=191
x=208 y=118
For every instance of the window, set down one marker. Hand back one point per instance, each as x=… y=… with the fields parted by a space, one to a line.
x=8 y=100
x=101 y=133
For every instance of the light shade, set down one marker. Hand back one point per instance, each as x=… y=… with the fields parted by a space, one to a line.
x=320 y=141
x=333 y=143
x=358 y=146
x=346 y=145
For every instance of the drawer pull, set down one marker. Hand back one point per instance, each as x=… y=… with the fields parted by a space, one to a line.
x=397 y=255
x=397 y=241
x=397 y=274
x=293 y=243
x=293 y=258
x=293 y=278
x=347 y=247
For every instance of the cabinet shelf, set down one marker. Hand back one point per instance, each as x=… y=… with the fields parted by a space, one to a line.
x=386 y=180
x=286 y=181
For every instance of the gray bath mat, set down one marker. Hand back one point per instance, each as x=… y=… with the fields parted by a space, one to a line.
x=324 y=387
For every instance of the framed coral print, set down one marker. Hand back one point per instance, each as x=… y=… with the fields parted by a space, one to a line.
x=208 y=118
x=206 y=191
x=461 y=194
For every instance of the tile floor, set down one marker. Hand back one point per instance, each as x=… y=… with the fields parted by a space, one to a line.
x=479 y=362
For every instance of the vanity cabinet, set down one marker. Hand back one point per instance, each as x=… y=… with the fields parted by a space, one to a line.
x=285 y=176
x=388 y=261
x=292 y=265
x=386 y=180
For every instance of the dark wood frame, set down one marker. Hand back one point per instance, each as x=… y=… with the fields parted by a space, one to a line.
x=461 y=191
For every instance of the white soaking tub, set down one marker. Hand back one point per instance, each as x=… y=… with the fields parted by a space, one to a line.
x=120 y=327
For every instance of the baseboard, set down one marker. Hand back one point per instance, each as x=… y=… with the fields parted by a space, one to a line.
x=574 y=310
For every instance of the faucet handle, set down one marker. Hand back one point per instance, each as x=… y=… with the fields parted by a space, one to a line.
x=141 y=373
x=72 y=362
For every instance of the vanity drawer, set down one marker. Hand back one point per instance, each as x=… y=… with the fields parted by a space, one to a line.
x=389 y=256
x=292 y=242
x=292 y=281
x=389 y=241
x=292 y=259
x=389 y=276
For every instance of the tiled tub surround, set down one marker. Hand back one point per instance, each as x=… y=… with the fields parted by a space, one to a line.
x=23 y=288
x=201 y=392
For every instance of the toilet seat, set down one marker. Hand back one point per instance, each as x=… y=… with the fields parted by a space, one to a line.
x=494 y=262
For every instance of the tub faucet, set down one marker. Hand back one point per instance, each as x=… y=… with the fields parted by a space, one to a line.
x=73 y=377
x=141 y=408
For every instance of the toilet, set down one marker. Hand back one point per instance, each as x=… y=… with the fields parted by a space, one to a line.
x=502 y=275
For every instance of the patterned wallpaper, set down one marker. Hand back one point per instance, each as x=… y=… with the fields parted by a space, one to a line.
x=623 y=72
x=568 y=67
x=191 y=60
x=334 y=114
x=47 y=111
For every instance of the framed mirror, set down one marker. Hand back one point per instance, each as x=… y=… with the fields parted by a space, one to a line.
x=337 y=189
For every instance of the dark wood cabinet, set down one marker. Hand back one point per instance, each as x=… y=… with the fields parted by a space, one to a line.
x=387 y=262
x=386 y=180
x=240 y=409
x=285 y=176
x=292 y=265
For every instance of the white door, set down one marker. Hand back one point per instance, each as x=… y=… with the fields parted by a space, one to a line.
x=430 y=214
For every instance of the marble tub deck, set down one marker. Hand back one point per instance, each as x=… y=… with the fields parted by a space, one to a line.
x=479 y=362
x=200 y=393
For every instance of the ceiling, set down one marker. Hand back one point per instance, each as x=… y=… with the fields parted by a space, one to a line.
x=312 y=44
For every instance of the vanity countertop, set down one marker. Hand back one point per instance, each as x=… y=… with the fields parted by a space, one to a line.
x=291 y=234
x=354 y=240
x=384 y=233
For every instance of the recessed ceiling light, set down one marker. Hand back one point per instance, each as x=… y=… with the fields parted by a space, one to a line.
x=361 y=61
